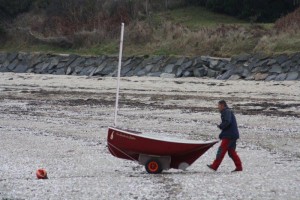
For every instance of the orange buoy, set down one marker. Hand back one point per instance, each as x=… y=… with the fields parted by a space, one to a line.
x=41 y=174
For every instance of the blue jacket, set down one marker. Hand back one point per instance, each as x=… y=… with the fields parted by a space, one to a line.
x=229 y=125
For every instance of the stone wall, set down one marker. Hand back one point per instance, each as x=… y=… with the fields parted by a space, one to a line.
x=249 y=67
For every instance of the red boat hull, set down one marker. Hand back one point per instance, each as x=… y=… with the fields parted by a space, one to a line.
x=130 y=145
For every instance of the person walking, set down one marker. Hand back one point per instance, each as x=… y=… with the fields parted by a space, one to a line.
x=229 y=135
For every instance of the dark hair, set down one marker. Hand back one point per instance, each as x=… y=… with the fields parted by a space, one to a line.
x=223 y=102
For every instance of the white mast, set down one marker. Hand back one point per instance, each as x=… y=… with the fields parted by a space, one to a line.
x=119 y=73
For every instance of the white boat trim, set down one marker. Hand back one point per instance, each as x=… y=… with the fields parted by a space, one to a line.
x=164 y=139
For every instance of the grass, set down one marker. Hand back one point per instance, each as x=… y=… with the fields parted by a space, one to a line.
x=196 y=17
x=187 y=31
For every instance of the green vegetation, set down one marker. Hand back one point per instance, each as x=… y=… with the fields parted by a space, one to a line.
x=93 y=28
x=197 y=17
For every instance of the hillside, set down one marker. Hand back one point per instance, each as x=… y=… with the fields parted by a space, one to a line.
x=182 y=31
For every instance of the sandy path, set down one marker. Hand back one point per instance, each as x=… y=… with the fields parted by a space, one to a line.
x=59 y=122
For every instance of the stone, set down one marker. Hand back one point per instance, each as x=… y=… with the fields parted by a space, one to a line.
x=187 y=65
x=12 y=65
x=211 y=73
x=180 y=61
x=276 y=69
x=200 y=72
x=155 y=74
x=124 y=70
x=127 y=62
x=21 y=68
x=110 y=67
x=292 y=76
x=287 y=63
x=234 y=77
x=156 y=59
x=179 y=72
x=271 y=77
x=213 y=64
x=141 y=72
x=245 y=73
x=280 y=77
x=11 y=57
x=271 y=62
x=229 y=66
x=92 y=71
x=252 y=66
x=3 y=69
x=260 y=76
x=69 y=70
x=241 y=58
x=226 y=75
x=53 y=62
x=167 y=75
x=250 y=78
x=2 y=57
x=41 y=68
x=264 y=69
x=78 y=62
x=262 y=63
x=187 y=74
x=169 y=68
x=148 y=68
x=281 y=58
x=85 y=71
x=59 y=71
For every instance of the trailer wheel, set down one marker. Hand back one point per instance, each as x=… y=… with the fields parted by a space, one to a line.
x=153 y=166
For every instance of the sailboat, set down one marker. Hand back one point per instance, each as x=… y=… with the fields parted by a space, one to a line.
x=155 y=153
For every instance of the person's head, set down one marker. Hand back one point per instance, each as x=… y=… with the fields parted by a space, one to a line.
x=222 y=105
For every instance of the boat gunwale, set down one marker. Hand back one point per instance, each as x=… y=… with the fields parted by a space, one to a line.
x=169 y=140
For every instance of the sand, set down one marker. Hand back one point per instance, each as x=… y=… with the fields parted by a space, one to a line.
x=60 y=123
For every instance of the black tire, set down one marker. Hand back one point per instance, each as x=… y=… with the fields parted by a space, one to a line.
x=153 y=166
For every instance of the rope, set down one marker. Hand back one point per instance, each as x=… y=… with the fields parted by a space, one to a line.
x=121 y=152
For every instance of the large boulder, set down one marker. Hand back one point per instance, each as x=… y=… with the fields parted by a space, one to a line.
x=281 y=58
x=226 y=75
x=276 y=69
x=179 y=71
x=13 y=65
x=271 y=77
x=213 y=64
x=211 y=73
x=21 y=67
x=2 y=57
x=260 y=76
x=169 y=68
x=200 y=72
x=11 y=57
x=272 y=62
x=280 y=77
x=292 y=76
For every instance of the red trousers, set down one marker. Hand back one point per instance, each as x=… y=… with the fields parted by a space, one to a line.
x=229 y=146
